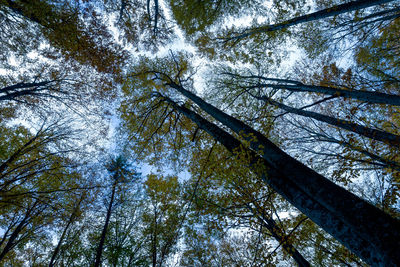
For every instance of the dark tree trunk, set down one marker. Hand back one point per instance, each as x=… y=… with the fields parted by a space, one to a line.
x=97 y=262
x=374 y=134
x=366 y=230
x=18 y=90
x=369 y=97
x=295 y=86
x=378 y=160
x=288 y=247
x=279 y=236
x=325 y=13
x=154 y=240
x=64 y=233
x=12 y=241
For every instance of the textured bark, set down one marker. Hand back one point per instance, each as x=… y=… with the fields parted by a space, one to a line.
x=364 y=229
x=325 y=13
x=374 y=134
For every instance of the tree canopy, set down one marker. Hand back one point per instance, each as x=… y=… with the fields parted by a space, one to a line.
x=199 y=133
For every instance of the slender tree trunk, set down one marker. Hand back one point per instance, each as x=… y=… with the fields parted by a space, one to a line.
x=65 y=230
x=380 y=161
x=295 y=86
x=97 y=262
x=11 y=243
x=154 y=240
x=374 y=134
x=279 y=236
x=369 y=97
x=57 y=249
x=287 y=246
x=325 y=13
x=19 y=151
x=366 y=230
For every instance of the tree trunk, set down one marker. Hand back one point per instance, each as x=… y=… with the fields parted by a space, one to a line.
x=13 y=237
x=288 y=247
x=70 y=221
x=97 y=262
x=19 y=90
x=295 y=86
x=369 y=97
x=10 y=243
x=374 y=134
x=325 y=13
x=279 y=236
x=154 y=240
x=364 y=229
x=378 y=160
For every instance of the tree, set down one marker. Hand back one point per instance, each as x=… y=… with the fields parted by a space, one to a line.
x=308 y=190
x=72 y=218
x=163 y=217
x=125 y=245
x=197 y=16
x=266 y=151
x=62 y=26
x=38 y=181
x=227 y=196
x=252 y=82
x=142 y=23
x=325 y=13
x=120 y=173
x=362 y=130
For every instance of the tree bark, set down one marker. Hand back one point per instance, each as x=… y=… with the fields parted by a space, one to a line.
x=364 y=229
x=325 y=13
x=97 y=262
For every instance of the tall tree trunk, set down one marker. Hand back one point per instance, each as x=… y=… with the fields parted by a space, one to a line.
x=364 y=229
x=64 y=233
x=325 y=13
x=154 y=240
x=287 y=246
x=97 y=262
x=295 y=86
x=374 y=134
x=11 y=243
x=369 y=97
x=378 y=160
x=279 y=236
